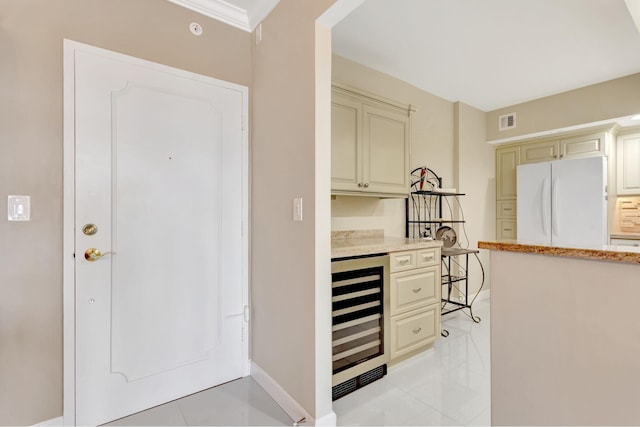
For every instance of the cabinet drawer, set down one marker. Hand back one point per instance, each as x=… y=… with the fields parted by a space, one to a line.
x=506 y=209
x=414 y=289
x=616 y=242
x=506 y=229
x=430 y=256
x=401 y=261
x=414 y=330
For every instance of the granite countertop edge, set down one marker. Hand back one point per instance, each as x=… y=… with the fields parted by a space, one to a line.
x=613 y=253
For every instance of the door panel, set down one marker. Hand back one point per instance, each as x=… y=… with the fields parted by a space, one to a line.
x=346 y=143
x=579 y=214
x=387 y=151
x=158 y=162
x=536 y=152
x=534 y=203
x=507 y=160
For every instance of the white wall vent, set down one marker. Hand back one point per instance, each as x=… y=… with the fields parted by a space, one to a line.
x=508 y=121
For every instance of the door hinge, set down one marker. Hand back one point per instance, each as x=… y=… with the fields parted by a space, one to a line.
x=246 y=313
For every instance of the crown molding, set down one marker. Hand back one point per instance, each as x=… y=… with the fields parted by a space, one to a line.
x=239 y=17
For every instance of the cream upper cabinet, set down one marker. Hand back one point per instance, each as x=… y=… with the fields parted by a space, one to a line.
x=346 y=143
x=583 y=146
x=370 y=144
x=543 y=151
x=507 y=160
x=628 y=164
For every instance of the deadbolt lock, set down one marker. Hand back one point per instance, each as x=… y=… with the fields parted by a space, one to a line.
x=90 y=229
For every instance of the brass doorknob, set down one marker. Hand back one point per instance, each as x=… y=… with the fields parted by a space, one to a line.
x=92 y=254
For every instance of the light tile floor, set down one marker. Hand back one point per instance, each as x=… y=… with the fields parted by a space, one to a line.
x=448 y=385
x=237 y=403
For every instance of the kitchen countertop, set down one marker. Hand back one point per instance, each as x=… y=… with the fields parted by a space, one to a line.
x=370 y=242
x=628 y=254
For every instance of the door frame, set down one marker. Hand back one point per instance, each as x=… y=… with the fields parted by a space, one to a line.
x=68 y=232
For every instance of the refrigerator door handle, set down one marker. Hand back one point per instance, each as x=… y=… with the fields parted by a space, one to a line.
x=544 y=206
x=554 y=204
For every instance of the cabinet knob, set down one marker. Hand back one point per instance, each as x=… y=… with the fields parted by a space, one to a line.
x=366 y=185
x=360 y=184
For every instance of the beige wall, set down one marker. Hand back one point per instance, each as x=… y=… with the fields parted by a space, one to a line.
x=602 y=101
x=283 y=251
x=564 y=347
x=31 y=34
x=431 y=145
x=474 y=176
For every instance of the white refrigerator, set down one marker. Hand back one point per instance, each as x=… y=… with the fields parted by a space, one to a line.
x=563 y=203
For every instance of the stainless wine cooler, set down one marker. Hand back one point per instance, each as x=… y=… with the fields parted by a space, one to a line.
x=360 y=292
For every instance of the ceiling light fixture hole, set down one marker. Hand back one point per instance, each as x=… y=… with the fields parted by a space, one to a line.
x=196 y=29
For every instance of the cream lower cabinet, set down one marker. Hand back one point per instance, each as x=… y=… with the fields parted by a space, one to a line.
x=370 y=140
x=414 y=288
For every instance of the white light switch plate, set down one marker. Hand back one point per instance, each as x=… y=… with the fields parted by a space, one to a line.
x=297 y=209
x=19 y=208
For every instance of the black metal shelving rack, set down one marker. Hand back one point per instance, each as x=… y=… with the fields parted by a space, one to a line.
x=449 y=279
x=423 y=218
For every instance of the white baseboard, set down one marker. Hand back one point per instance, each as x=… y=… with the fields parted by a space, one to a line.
x=327 y=420
x=288 y=404
x=53 y=422
x=282 y=398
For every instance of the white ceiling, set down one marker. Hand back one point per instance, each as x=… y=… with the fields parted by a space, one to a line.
x=493 y=53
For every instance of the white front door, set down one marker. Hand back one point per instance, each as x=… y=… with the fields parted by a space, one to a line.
x=160 y=256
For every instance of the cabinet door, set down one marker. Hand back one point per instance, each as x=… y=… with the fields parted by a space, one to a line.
x=386 y=151
x=628 y=164
x=346 y=143
x=582 y=146
x=507 y=160
x=543 y=151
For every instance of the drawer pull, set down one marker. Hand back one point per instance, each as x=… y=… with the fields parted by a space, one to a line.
x=415 y=291
x=508 y=229
x=403 y=261
x=508 y=209
x=417 y=330
x=427 y=257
